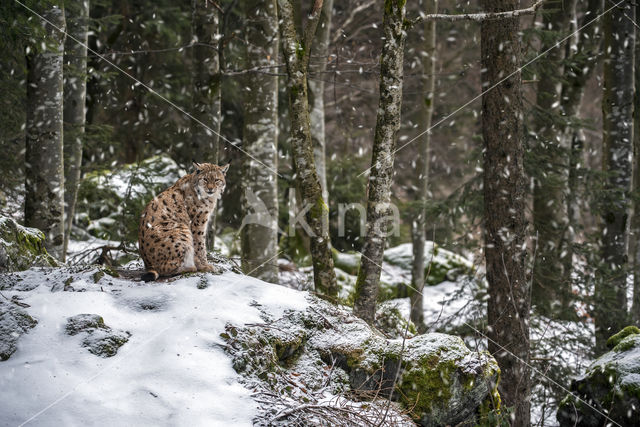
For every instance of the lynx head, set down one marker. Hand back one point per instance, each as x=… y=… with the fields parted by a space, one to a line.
x=209 y=180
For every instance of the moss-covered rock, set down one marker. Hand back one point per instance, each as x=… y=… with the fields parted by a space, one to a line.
x=22 y=247
x=434 y=377
x=98 y=338
x=611 y=385
x=14 y=322
x=615 y=339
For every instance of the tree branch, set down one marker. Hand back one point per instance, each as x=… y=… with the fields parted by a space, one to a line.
x=478 y=17
x=310 y=29
x=350 y=19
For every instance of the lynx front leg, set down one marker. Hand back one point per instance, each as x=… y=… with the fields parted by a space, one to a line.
x=199 y=232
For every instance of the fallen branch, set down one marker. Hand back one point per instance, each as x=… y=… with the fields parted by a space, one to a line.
x=478 y=17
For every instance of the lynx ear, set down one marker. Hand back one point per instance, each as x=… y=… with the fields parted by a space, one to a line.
x=225 y=168
x=197 y=167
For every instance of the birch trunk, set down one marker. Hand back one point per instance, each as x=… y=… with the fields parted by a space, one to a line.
x=260 y=136
x=617 y=117
x=206 y=90
x=296 y=50
x=320 y=53
x=550 y=285
x=75 y=92
x=44 y=171
x=381 y=173
x=419 y=226
x=504 y=207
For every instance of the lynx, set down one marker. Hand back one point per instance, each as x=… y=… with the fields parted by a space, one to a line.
x=173 y=226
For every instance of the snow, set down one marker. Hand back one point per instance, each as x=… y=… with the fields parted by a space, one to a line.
x=172 y=371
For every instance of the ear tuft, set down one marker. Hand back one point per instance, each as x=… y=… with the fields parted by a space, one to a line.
x=225 y=168
x=197 y=167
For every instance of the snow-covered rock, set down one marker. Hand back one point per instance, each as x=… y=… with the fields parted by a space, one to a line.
x=186 y=361
x=14 y=322
x=325 y=349
x=21 y=247
x=97 y=337
x=611 y=385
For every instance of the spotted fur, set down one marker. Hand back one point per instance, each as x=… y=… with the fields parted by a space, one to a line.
x=173 y=226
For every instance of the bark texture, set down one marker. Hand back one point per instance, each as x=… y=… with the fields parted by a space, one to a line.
x=551 y=285
x=419 y=225
x=320 y=53
x=44 y=172
x=617 y=117
x=296 y=49
x=381 y=172
x=206 y=90
x=504 y=207
x=75 y=92
x=634 y=254
x=260 y=136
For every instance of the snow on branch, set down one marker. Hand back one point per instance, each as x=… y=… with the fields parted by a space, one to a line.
x=478 y=17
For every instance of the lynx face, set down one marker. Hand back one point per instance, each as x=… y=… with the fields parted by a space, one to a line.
x=209 y=180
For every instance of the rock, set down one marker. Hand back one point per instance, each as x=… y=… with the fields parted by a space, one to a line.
x=439 y=380
x=99 y=338
x=611 y=384
x=22 y=247
x=14 y=322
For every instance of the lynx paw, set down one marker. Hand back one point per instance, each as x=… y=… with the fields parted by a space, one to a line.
x=210 y=268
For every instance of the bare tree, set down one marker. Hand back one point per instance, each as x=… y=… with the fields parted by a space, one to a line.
x=504 y=206
x=419 y=225
x=617 y=116
x=381 y=172
x=296 y=49
x=75 y=92
x=260 y=141
x=206 y=89
x=44 y=172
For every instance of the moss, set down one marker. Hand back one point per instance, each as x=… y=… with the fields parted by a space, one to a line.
x=427 y=386
x=97 y=276
x=625 y=345
x=614 y=340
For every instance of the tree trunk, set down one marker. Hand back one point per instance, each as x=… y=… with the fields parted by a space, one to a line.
x=75 y=91
x=634 y=253
x=44 y=171
x=206 y=90
x=504 y=207
x=320 y=53
x=580 y=66
x=617 y=117
x=551 y=286
x=419 y=226
x=296 y=53
x=260 y=141
x=381 y=173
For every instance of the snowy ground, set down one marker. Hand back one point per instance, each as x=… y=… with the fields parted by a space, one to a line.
x=171 y=372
